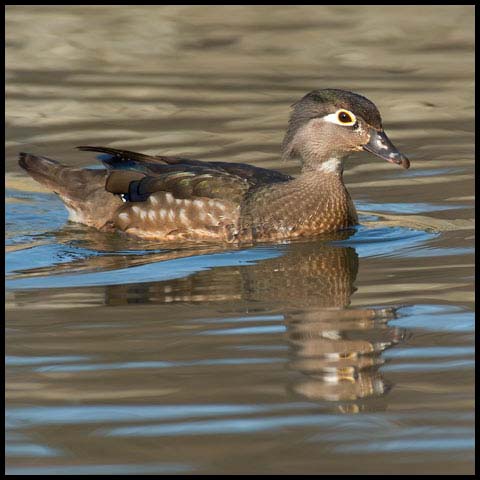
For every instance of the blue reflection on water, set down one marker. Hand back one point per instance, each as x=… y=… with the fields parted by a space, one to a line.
x=29 y=450
x=156 y=364
x=415 y=444
x=449 y=318
x=101 y=413
x=404 y=207
x=156 y=271
x=386 y=241
x=108 y=469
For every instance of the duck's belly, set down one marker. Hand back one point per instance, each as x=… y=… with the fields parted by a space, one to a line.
x=264 y=233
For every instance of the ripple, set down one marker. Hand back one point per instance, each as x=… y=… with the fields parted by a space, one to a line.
x=405 y=207
x=156 y=271
x=386 y=241
x=126 y=413
x=107 y=469
x=30 y=450
x=19 y=361
x=436 y=318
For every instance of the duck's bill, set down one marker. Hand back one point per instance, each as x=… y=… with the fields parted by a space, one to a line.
x=380 y=145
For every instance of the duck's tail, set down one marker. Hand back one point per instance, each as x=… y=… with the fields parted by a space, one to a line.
x=82 y=190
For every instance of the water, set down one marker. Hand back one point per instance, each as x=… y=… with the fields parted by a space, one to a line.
x=348 y=353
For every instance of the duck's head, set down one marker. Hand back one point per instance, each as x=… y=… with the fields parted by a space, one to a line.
x=327 y=125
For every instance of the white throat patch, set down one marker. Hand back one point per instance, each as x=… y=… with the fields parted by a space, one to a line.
x=334 y=165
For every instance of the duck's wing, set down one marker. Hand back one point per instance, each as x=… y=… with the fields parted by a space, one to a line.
x=138 y=175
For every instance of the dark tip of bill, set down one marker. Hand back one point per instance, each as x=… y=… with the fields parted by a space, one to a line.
x=405 y=162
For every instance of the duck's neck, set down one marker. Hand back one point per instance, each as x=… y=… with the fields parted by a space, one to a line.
x=321 y=188
x=332 y=165
x=316 y=161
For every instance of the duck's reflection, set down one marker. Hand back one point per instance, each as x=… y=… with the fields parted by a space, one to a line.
x=335 y=351
x=339 y=352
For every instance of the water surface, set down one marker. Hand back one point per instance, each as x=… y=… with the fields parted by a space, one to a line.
x=347 y=353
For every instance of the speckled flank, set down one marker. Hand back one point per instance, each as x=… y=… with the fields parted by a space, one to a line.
x=164 y=217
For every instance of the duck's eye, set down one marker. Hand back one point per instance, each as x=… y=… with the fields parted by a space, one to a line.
x=342 y=117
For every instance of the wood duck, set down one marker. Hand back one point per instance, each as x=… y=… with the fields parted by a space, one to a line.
x=171 y=198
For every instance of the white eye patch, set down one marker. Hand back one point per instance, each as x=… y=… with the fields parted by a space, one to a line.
x=341 y=117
